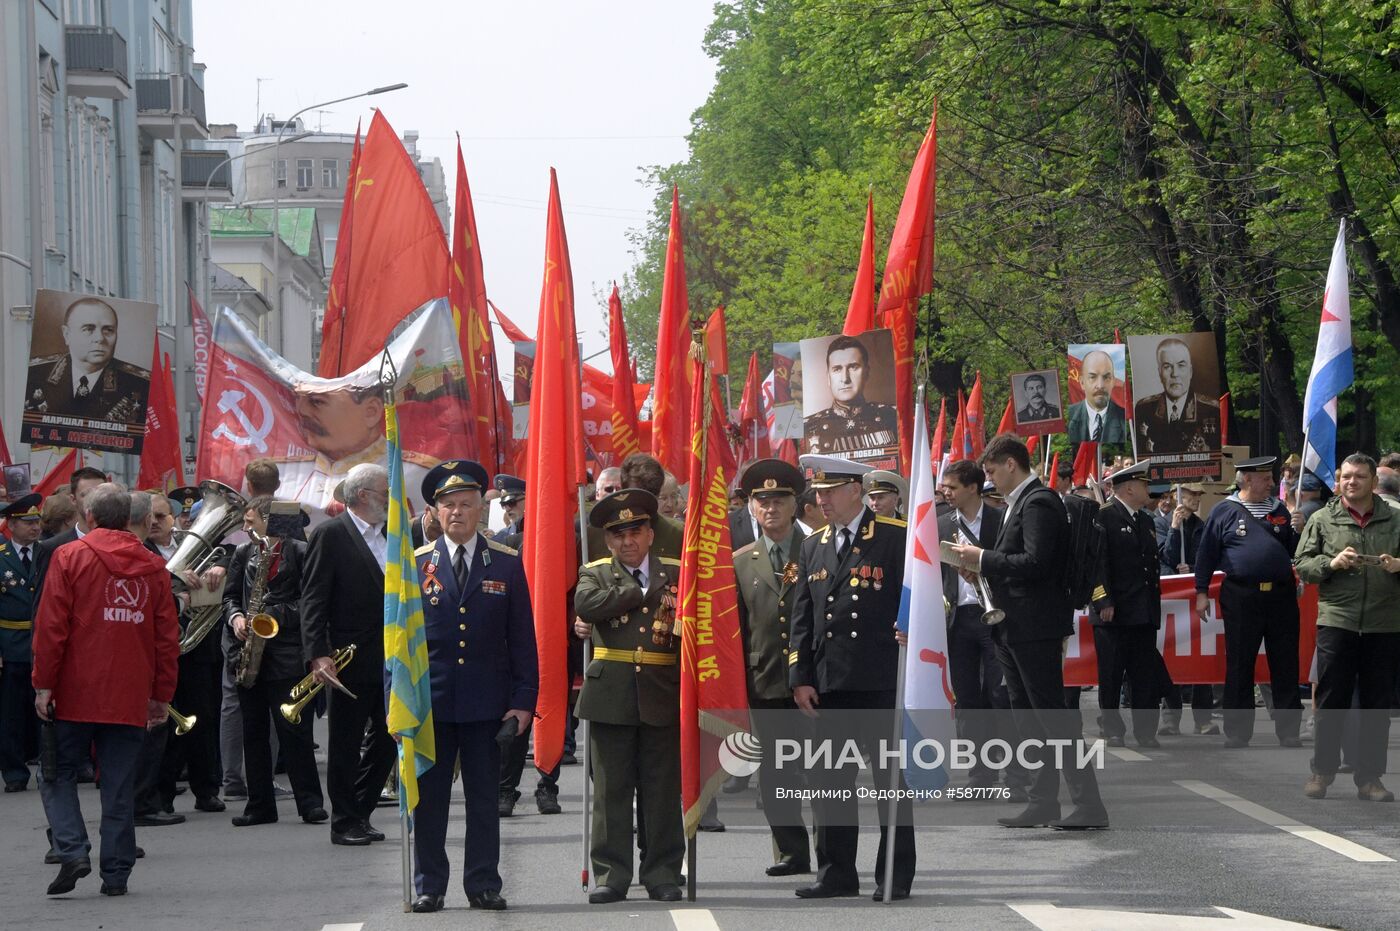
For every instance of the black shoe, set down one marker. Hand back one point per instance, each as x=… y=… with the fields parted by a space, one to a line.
x=568 y=759
x=208 y=803
x=547 y=804
x=1114 y=741
x=1081 y=820
x=315 y=816
x=429 y=903
x=1036 y=816
x=140 y=852
x=158 y=819
x=734 y=785
x=112 y=890
x=664 y=892
x=820 y=890
x=243 y=821
x=68 y=875
x=505 y=803
x=353 y=836
x=52 y=858
x=1149 y=743
x=16 y=786
x=1289 y=742
x=712 y=826
x=87 y=775
x=605 y=895
x=787 y=866
x=899 y=894
x=490 y=900
x=236 y=795
x=370 y=832
x=1236 y=743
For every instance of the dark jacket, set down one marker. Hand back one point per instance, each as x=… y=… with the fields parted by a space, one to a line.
x=342 y=600
x=1128 y=580
x=283 y=655
x=1026 y=568
x=991 y=526
x=740 y=528
x=1170 y=556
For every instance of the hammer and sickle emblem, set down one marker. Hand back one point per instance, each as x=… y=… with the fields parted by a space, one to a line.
x=230 y=403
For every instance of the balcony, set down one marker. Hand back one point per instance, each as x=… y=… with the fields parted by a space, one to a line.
x=205 y=175
x=156 y=110
x=96 y=63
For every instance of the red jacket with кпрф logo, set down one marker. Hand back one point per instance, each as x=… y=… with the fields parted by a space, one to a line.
x=106 y=637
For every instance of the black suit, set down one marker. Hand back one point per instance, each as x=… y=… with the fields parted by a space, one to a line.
x=43 y=552
x=740 y=528
x=1026 y=572
x=342 y=602
x=1127 y=581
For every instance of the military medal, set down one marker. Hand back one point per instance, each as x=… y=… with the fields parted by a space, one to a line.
x=855 y=577
x=864 y=576
x=1240 y=530
x=789 y=574
x=433 y=600
x=879 y=577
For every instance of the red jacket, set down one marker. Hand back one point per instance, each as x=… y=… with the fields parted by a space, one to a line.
x=106 y=636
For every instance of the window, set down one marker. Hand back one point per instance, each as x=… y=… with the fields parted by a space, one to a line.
x=330 y=173
x=304 y=171
x=281 y=172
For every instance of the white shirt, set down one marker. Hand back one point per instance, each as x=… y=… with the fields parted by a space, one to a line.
x=468 y=550
x=378 y=546
x=167 y=551
x=1174 y=409
x=853 y=527
x=645 y=569
x=92 y=379
x=967 y=594
x=24 y=552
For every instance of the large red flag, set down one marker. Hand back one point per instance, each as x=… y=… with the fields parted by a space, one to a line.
x=860 y=314
x=1008 y=419
x=670 y=436
x=553 y=473
x=1054 y=474
x=976 y=437
x=162 y=459
x=466 y=290
x=1086 y=464
x=752 y=421
x=396 y=255
x=909 y=275
x=339 y=285
x=717 y=342
x=626 y=426
x=714 y=696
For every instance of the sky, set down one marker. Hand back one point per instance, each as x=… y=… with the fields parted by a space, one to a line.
x=597 y=90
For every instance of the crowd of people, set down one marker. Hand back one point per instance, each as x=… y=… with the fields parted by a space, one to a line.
x=126 y=660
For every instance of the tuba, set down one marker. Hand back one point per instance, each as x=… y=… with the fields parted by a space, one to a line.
x=199 y=549
x=262 y=626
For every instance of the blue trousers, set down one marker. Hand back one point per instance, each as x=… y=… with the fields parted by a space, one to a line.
x=474 y=743
x=118 y=746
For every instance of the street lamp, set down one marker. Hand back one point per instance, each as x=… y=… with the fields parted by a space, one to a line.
x=277 y=193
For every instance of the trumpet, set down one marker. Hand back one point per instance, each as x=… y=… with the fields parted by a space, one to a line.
x=182 y=723
x=991 y=614
x=308 y=688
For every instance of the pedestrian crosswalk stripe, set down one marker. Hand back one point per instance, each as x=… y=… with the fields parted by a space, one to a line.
x=1128 y=756
x=693 y=919
x=356 y=926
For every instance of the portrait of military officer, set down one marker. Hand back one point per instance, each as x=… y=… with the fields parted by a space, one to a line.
x=86 y=379
x=1098 y=418
x=852 y=423
x=1177 y=419
x=1037 y=403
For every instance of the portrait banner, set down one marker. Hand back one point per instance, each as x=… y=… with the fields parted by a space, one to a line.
x=786 y=404
x=88 y=383
x=1098 y=393
x=317 y=429
x=848 y=398
x=1176 y=381
x=1036 y=403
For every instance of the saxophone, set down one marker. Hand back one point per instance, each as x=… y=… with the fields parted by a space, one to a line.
x=262 y=626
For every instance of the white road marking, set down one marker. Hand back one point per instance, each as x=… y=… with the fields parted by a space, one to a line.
x=1049 y=917
x=693 y=919
x=1129 y=756
x=344 y=927
x=1322 y=838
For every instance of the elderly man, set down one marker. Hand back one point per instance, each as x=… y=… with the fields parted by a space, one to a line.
x=1176 y=420
x=18 y=726
x=885 y=492
x=86 y=380
x=342 y=603
x=105 y=649
x=1349 y=549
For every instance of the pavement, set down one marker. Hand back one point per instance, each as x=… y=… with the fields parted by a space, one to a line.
x=1202 y=838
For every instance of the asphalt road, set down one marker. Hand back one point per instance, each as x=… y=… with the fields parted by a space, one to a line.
x=1196 y=829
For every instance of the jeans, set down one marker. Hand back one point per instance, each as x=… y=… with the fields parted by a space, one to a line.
x=117 y=748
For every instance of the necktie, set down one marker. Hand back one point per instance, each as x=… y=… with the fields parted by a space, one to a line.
x=83 y=387
x=775 y=556
x=459 y=568
x=1098 y=427
x=637 y=574
x=845 y=545
x=24 y=559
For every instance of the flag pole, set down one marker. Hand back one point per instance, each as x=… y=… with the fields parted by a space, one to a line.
x=581 y=736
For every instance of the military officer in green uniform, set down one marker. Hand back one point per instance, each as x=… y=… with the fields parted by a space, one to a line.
x=631 y=699
x=765 y=573
x=19 y=728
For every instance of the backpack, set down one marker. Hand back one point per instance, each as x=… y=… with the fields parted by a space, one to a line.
x=1086 y=548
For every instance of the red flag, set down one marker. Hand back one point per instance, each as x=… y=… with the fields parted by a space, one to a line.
x=513 y=332
x=976 y=438
x=940 y=437
x=960 y=449
x=1033 y=444
x=752 y=421
x=1054 y=473
x=670 y=412
x=860 y=314
x=338 y=288
x=626 y=426
x=4 y=447
x=202 y=333
x=1008 y=419
x=396 y=256
x=1086 y=461
x=909 y=275
x=714 y=695
x=717 y=342
x=1225 y=419
x=553 y=473
x=162 y=459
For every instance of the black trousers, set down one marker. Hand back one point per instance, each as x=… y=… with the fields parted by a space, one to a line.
x=838 y=819
x=1035 y=682
x=148 y=764
x=1128 y=650
x=1251 y=617
x=354 y=779
x=1348 y=662
x=977 y=684
x=200 y=693
x=774 y=720
x=259 y=704
x=19 y=725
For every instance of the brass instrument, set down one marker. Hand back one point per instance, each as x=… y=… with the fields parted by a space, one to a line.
x=198 y=550
x=308 y=688
x=991 y=614
x=262 y=626
x=182 y=723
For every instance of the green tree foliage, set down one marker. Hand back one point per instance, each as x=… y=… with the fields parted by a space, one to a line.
x=1146 y=165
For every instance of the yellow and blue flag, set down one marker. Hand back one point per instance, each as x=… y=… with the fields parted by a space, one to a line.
x=405 y=640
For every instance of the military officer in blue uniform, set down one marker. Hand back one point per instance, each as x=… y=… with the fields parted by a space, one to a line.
x=19 y=728
x=1250 y=537
x=484 y=671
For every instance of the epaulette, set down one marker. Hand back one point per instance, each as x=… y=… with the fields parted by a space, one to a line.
x=891 y=520
x=4 y=547
x=745 y=548
x=502 y=548
x=1099 y=593
x=668 y=561
x=424 y=550
x=129 y=369
x=599 y=562
x=45 y=360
